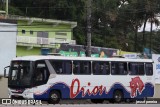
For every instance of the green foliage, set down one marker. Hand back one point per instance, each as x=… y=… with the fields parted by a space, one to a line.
x=114 y=22
x=15 y=11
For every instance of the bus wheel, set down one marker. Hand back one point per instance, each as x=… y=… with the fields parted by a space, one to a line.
x=54 y=97
x=117 y=96
x=97 y=100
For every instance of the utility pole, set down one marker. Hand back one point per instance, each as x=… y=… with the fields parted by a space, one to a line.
x=6 y=8
x=88 y=28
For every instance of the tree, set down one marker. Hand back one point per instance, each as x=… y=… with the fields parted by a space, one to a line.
x=150 y=8
x=152 y=17
x=115 y=23
x=136 y=18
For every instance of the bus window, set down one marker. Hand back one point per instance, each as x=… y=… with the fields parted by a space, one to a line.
x=96 y=68
x=149 y=69
x=136 y=68
x=141 y=69
x=101 y=68
x=106 y=68
x=41 y=73
x=119 y=68
x=14 y=74
x=76 y=67
x=62 y=67
x=81 y=67
x=133 y=68
x=67 y=67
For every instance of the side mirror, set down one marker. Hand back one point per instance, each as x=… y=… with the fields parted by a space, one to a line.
x=6 y=72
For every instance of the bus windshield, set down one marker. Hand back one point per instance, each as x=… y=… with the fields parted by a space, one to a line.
x=20 y=74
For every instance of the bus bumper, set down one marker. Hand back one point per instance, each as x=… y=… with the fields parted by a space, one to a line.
x=26 y=94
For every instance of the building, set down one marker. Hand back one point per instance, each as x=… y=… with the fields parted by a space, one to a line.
x=22 y=36
x=35 y=36
x=7 y=50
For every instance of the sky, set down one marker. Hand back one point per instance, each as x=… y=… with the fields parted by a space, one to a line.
x=148 y=25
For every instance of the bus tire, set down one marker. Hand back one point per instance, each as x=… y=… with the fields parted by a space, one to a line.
x=118 y=96
x=97 y=101
x=54 y=97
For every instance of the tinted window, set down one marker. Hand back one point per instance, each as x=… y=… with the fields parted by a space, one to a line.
x=41 y=73
x=149 y=68
x=31 y=32
x=62 y=67
x=81 y=67
x=119 y=68
x=23 y=31
x=136 y=68
x=21 y=72
x=101 y=68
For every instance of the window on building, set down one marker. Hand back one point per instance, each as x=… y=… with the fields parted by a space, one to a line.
x=101 y=68
x=62 y=67
x=119 y=68
x=149 y=69
x=136 y=68
x=23 y=31
x=60 y=34
x=42 y=37
x=82 y=67
x=31 y=32
x=61 y=40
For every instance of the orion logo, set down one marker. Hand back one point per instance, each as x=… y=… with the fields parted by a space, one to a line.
x=136 y=84
x=158 y=59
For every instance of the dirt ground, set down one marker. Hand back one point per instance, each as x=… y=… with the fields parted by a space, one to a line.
x=3 y=88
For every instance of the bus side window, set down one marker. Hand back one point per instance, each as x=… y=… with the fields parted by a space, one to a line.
x=132 y=68
x=107 y=68
x=136 y=68
x=149 y=69
x=86 y=67
x=57 y=65
x=101 y=68
x=113 y=68
x=123 y=68
x=67 y=67
x=96 y=67
x=62 y=67
x=119 y=68
x=82 y=67
x=140 y=68
x=76 y=69
x=41 y=74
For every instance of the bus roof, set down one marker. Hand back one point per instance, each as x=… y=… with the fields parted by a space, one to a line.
x=34 y=58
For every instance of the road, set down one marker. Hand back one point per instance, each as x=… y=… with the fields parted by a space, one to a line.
x=86 y=103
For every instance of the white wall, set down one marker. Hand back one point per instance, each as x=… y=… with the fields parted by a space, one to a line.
x=7 y=44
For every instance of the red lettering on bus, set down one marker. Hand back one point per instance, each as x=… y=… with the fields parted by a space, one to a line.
x=74 y=94
x=76 y=88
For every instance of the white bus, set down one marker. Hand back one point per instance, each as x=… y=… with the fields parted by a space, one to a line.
x=56 y=77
